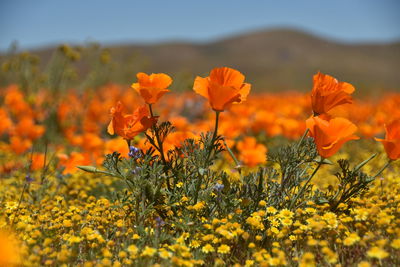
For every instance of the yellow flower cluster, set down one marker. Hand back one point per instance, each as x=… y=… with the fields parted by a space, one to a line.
x=77 y=222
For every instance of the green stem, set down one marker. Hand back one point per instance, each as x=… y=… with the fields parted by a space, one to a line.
x=214 y=134
x=231 y=154
x=305 y=185
x=159 y=143
x=238 y=165
x=302 y=138
x=215 y=128
x=160 y=147
x=128 y=141
x=19 y=204
x=383 y=168
x=200 y=177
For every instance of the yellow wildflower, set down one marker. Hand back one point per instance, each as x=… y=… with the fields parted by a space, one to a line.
x=307 y=260
x=378 y=253
x=224 y=249
x=148 y=251
x=207 y=248
x=395 y=244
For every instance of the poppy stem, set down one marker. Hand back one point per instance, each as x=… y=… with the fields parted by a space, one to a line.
x=302 y=138
x=200 y=177
x=301 y=192
x=383 y=168
x=214 y=134
x=128 y=141
x=160 y=144
x=216 y=126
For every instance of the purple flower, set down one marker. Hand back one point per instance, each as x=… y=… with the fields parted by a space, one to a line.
x=159 y=222
x=29 y=179
x=136 y=170
x=219 y=187
x=134 y=152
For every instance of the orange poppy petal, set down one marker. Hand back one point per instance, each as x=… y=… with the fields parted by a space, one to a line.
x=147 y=96
x=244 y=91
x=201 y=86
x=136 y=86
x=347 y=88
x=110 y=128
x=227 y=77
x=160 y=80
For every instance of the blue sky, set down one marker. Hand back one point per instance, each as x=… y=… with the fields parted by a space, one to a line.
x=35 y=23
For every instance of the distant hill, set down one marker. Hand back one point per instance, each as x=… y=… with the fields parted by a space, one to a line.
x=274 y=60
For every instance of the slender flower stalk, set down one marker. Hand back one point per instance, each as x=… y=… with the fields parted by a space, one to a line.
x=301 y=192
x=302 y=138
x=26 y=185
x=383 y=168
x=215 y=134
x=159 y=146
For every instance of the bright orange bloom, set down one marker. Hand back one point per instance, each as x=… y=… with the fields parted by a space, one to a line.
x=152 y=87
x=20 y=145
x=6 y=122
x=74 y=159
x=328 y=93
x=128 y=126
x=330 y=134
x=391 y=143
x=251 y=153
x=26 y=127
x=116 y=144
x=10 y=254
x=37 y=161
x=15 y=100
x=176 y=139
x=223 y=87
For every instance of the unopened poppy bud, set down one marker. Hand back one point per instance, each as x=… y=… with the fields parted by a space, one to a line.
x=88 y=168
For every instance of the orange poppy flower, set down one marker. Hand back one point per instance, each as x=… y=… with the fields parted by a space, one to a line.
x=6 y=123
x=391 y=143
x=176 y=139
x=69 y=162
x=10 y=252
x=152 y=87
x=223 y=87
x=38 y=161
x=250 y=152
x=328 y=93
x=330 y=134
x=128 y=126
x=19 y=145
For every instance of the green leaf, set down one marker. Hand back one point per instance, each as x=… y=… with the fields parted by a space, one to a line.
x=359 y=166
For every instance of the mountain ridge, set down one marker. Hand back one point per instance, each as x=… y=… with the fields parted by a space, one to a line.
x=272 y=60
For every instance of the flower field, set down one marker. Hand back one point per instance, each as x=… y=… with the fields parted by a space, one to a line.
x=215 y=176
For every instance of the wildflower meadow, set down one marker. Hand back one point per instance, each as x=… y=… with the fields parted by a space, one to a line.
x=103 y=174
